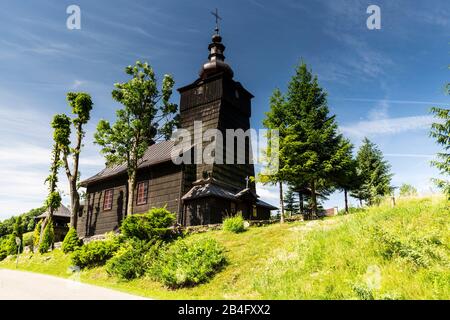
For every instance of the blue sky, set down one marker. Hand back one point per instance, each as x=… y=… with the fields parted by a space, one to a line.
x=381 y=83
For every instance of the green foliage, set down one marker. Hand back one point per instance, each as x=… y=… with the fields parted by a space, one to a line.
x=133 y=259
x=37 y=234
x=71 y=241
x=28 y=222
x=188 y=262
x=373 y=172
x=146 y=116
x=407 y=190
x=18 y=232
x=48 y=238
x=153 y=225
x=234 y=224
x=440 y=130
x=28 y=240
x=81 y=104
x=311 y=149
x=290 y=205
x=95 y=253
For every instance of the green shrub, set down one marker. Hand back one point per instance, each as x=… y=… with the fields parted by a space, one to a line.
x=28 y=240
x=71 y=241
x=95 y=253
x=4 y=247
x=133 y=259
x=188 y=262
x=234 y=224
x=37 y=234
x=153 y=225
x=47 y=238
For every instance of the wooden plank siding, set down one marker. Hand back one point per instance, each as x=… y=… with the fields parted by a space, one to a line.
x=164 y=183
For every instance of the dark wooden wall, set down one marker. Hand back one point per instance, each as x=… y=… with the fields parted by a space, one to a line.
x=164 y=190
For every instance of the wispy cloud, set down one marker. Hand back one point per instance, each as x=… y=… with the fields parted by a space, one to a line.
x=387 y=126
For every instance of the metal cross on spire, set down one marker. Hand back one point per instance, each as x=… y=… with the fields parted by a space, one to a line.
x=216 y=14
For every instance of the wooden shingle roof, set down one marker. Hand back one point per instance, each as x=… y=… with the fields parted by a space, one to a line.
x=157 y=153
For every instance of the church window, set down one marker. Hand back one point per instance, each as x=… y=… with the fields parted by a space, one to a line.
x=142 y=192
x=108 y=200
x=199 y=91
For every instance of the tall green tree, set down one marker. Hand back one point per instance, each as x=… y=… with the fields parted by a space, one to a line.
x=373 y=172
x=440 y=130
x=311 y=148
x=290 y=203
x=61 y=134
x=81 y=104
x=276 y=119
x=147 y=115
x=347 y=178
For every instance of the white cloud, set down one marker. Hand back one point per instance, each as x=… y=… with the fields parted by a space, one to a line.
x=387 y=126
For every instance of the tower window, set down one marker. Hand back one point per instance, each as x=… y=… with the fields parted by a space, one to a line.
x=236 y=93
x=108 y=200
x=142 y=192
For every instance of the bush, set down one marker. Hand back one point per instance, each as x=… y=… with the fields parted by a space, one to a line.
x=133 y=259
x=152 y=225
x=28 y=240
x=37 y=234
x=4 y=247
x=95 y=253
x=234 y=224
x=47 y=238
x=188 y=262
x=71 y=241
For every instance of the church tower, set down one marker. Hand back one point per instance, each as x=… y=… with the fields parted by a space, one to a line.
x=219 y=102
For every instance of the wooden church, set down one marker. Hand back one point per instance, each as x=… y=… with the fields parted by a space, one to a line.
x=199 y=194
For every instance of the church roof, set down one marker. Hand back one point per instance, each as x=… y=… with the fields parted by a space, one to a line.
x=155 y=154
x=212 y=189
x=62 y=212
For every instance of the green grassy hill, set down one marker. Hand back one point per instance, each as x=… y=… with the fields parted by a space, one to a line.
x=379 y=253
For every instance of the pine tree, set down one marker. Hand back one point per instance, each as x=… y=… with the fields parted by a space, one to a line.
x=373 y=173
x=311 y=149
x=290 y=204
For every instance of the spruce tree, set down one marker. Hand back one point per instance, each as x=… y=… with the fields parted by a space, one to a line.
x=373 y=173
x=311 y=149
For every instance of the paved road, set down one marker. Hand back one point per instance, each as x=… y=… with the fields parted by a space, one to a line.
x=16 y=285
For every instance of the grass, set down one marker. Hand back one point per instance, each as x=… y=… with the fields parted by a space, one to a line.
x=380 y=253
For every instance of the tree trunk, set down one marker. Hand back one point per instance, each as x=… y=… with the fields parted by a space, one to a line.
x=314 y=198
x=281 y=203
x=131 y=188
x=52 y=188
x=75 y=203
x=360 y=203
x=346 y=200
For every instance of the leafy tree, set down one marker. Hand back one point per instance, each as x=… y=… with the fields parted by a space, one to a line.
x=407 y=190
x=61 y=133
x=373 y=172
x=311 y=147
x=18 y=232
x=81 y=104
x=147 y=115
x=441 y=132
